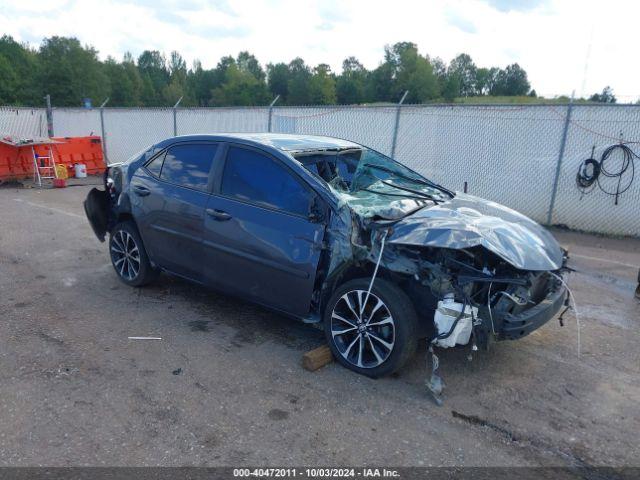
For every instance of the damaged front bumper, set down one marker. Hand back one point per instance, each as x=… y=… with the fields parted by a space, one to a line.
x=515 y=326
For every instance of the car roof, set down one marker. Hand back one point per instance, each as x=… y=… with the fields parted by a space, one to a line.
x=281 y=141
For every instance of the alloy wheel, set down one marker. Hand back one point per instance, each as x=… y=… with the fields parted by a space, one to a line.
x=125 y=255
x=362 y=329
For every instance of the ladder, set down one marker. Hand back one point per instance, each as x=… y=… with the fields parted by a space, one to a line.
x=44 y=166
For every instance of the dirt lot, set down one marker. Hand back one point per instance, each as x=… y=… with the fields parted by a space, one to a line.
x=225 y=384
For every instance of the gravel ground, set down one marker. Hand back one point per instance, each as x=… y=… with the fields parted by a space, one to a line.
x=225 y=384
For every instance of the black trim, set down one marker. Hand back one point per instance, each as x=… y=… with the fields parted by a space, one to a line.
x=522 y=324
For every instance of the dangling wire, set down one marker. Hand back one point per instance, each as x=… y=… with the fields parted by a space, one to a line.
x=575 y=307
x=375 y=271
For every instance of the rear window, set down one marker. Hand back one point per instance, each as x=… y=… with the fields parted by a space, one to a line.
x=252 y=177
x=188 y=165
x=155 y=165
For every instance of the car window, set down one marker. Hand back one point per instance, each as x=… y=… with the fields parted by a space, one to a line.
x=155 y=165
x=256 y=178
x=189 y=165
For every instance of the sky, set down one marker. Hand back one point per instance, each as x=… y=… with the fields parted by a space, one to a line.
x=564 y=45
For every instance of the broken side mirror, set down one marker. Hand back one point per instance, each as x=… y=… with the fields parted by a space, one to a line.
x=316 y=210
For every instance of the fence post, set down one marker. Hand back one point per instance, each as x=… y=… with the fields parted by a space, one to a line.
x=175 y=119
x=49 y=116
x=395 y=127
x=271 y=111
x=563 y=143
x=103 y=132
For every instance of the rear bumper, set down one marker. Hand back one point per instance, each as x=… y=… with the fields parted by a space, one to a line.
x=96 y=207
x=522 y=324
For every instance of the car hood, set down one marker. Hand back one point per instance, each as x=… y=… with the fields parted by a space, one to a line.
x=467 y=221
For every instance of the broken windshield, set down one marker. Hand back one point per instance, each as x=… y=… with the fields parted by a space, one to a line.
x=372 y=183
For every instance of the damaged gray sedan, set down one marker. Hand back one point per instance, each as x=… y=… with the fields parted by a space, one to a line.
x=334 y=233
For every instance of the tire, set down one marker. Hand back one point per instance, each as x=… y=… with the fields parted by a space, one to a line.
x=388 y=339
x=128 y=256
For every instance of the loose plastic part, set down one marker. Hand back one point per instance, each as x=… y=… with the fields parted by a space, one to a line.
x=445 y=316
x=575 y=309
x=435 y=384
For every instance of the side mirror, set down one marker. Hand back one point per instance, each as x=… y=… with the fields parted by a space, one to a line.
x=316 y=212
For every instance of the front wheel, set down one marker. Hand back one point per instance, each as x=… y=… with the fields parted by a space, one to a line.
x=128 y=256
x=372 y=335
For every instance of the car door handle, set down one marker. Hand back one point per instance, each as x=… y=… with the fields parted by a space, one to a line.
x=141 y=191
x=218 y=214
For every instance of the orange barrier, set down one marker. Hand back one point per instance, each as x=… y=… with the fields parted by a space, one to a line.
x=16 y=162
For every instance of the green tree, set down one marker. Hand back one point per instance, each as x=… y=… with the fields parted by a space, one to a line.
x=23 y=64
x=172 y=92
x=248 y=63
x=121 y=90
x=70 y=72
x=485 y=79
x=322 y=86
x=298 y=85
x=9 y=82
x=351 y=84
x=155 y=76
x=148 y=95
x=177 y=87
x=135 y=80
x=380 y=84
x=240 y=87
x=177 y=67
x=278 y=80
x=606 y=96
x=511 y=81
x=440 y=71
x=465 y=71
x=412 y=72
x=451 y=88
x=201 y=83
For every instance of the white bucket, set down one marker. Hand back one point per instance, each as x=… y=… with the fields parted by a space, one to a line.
x=80 y=170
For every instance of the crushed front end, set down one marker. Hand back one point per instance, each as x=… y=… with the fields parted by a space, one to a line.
x=475 y=291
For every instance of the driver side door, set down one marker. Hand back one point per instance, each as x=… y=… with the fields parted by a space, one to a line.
x=259 y=240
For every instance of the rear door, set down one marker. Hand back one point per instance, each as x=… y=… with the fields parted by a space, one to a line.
x=169 y=196
x=259 y=240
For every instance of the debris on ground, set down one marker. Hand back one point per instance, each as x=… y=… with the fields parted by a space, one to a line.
x=317 y=358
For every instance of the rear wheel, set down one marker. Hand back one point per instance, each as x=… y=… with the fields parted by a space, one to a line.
x=372 y=335
x=128 y=256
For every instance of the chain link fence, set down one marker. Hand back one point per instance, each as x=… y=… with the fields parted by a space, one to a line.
x=523 y=156
x=23 y=122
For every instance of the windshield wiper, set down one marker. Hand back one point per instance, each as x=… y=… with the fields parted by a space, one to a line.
x=426 y=196
x=401 y=195
x=414 y=180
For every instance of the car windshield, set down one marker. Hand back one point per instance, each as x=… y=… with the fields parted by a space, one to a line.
x=372 y=183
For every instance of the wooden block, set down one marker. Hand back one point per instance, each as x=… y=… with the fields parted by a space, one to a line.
x=317 y=358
